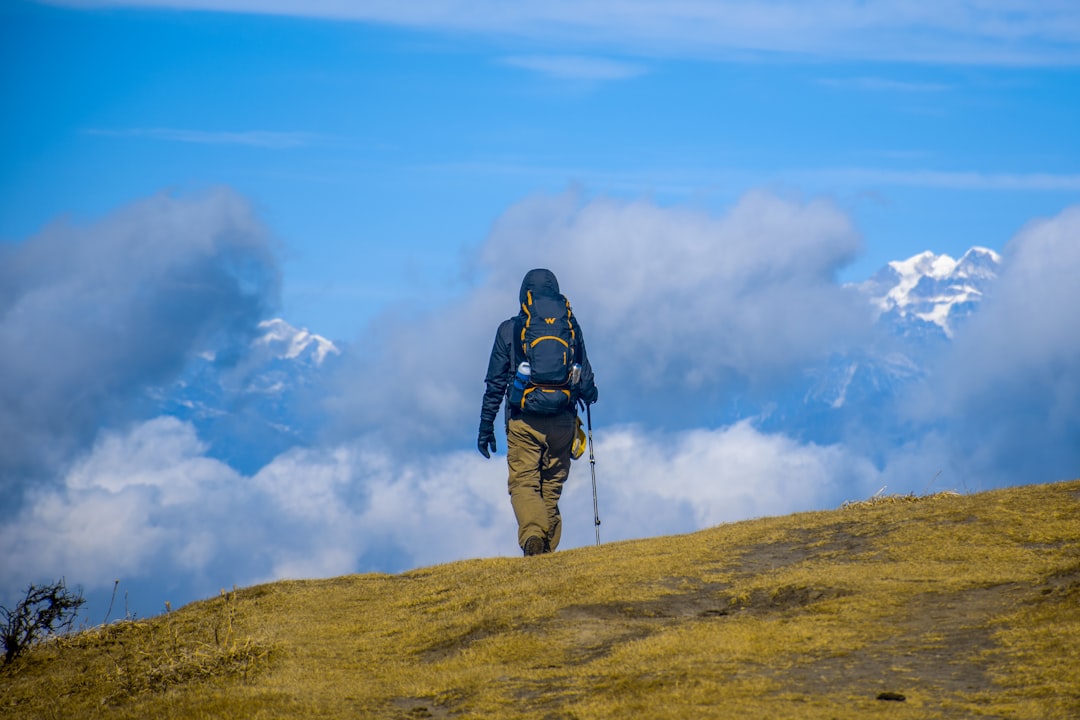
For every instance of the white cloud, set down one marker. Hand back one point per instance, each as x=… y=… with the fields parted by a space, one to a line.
x=1009 y=387
x=676 y=296
x=989 y=31
x=1028 y=321
x=440 y=507
x=305 y=484
x=660 y=483
x=578 y=67
x=149 y=504
x=415 y=377
x=137 y=499
x=162 y=455
x=317 y=513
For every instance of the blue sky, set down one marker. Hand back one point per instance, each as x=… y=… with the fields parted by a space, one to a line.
x=704 y=178
x=380 y=150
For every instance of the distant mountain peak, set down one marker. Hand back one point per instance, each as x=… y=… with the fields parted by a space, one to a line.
x=924 y=264
x=289 y=342
x=978 y=262
x=981 y=251
x=931 y=289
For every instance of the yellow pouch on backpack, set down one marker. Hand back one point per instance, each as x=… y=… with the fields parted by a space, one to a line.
x=577 y=448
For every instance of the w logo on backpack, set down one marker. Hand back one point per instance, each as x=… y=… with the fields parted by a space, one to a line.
x=548 y=347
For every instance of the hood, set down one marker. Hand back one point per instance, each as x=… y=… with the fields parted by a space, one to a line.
x=541 y=282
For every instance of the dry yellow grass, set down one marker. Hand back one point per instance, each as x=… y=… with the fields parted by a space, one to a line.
x=966 y=606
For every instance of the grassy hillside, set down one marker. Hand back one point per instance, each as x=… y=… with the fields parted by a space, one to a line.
x=963 y=606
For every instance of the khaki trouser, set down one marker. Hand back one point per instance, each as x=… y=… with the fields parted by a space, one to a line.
x=538 y=456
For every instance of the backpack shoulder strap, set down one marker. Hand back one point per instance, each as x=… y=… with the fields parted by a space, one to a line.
x=517 y=349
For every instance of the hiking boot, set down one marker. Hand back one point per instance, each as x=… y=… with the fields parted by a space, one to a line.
x=534 y=546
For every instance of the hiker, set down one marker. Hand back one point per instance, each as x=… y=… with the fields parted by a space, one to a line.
x=538 y=363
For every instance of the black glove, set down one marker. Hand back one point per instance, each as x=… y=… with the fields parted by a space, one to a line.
x=486 y=440
x=588 y=396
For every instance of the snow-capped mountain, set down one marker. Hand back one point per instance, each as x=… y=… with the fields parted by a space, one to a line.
x=254 y=406
x=920 y=303
x=929 y=293
x=284 y=355
x=286 y=342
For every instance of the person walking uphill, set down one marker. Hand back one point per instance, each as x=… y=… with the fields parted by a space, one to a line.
x=538 y=364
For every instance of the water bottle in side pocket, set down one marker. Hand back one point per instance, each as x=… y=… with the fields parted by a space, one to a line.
x=521 y=381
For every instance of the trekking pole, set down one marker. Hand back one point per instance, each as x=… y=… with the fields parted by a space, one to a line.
x=592 y=467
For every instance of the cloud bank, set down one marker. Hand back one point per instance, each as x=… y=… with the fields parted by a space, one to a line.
x=92 y=315
x=674 y=304
x=147 y=502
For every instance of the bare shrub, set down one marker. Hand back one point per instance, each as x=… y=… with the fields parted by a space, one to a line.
x=44 y=611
